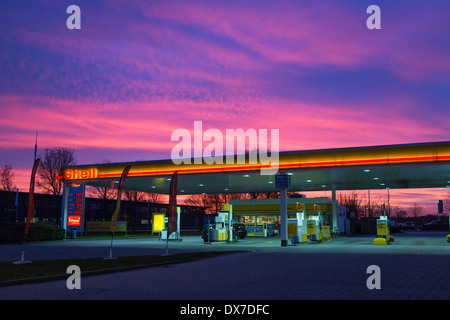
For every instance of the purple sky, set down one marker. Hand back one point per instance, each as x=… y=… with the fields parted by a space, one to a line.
x=137 y=70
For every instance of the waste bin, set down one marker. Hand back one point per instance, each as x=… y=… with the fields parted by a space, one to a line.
x=73 y=233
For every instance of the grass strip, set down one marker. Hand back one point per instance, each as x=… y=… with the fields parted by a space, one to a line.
x=41 y=269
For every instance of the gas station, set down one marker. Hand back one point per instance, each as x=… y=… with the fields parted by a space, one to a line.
x=420 y=165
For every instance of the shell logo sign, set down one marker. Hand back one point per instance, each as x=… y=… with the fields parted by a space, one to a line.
x=74 y=221
x=75 y=174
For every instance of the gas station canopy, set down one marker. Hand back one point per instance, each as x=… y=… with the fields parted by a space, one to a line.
x=422 y=165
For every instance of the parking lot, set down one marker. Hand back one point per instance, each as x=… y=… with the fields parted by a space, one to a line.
x=414 y=266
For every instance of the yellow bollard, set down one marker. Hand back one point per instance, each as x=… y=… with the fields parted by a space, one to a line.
x=380 y=241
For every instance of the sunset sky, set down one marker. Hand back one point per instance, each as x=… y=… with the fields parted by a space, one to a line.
x=138 y=70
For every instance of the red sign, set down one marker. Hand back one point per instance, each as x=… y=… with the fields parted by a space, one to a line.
x=81 y=174
x=74 y=221
x=76 y=199
x=31 y=196
x=119 y=198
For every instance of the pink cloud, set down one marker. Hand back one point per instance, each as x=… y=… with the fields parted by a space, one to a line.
x=322 y=34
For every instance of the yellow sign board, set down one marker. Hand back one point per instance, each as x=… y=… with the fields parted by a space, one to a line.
x=292 y=229
x=98 y=226
x=382 y=229
x=311 y=227
x=326 y=232
x=158 y=224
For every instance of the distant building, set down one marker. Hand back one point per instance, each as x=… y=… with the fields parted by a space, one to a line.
x=137 y=214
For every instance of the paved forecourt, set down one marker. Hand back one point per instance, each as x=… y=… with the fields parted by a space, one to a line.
x=424 y=243
x=413 y=267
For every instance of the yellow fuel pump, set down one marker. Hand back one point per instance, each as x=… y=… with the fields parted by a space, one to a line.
x=383 y=234
x=224 y=223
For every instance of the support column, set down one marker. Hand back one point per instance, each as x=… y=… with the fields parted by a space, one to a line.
x=283 y=217
x=334 y=208
x=230 y=224
x=65 y=206
x=178 y=223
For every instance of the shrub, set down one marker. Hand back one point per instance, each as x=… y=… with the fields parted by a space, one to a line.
x=36 y=232
x=44 y=232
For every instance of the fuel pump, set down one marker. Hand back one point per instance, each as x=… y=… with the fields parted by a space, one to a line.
x=301 y=225
x=383 y=233
x=313 y=225
x=224 y=223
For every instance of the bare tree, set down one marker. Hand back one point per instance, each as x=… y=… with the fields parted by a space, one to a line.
x=7 y=178
x=402 y=214
x=155 y=197
x=415 y=211
x=199 y=200
x=134 y=197
x=213 y=202
x=50 y=167
x=352 y=201
x=271 y=195
x=397 y=212
x=447 y=203
x=105 y=193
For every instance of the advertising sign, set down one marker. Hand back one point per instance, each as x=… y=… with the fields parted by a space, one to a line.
x=292 y=228
x=282 y=181
x=74 y=221
x=310 y=227
x=382 y=228
x=75 y=209
x=158 y=224
x=103 y=226
x=326 y=231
